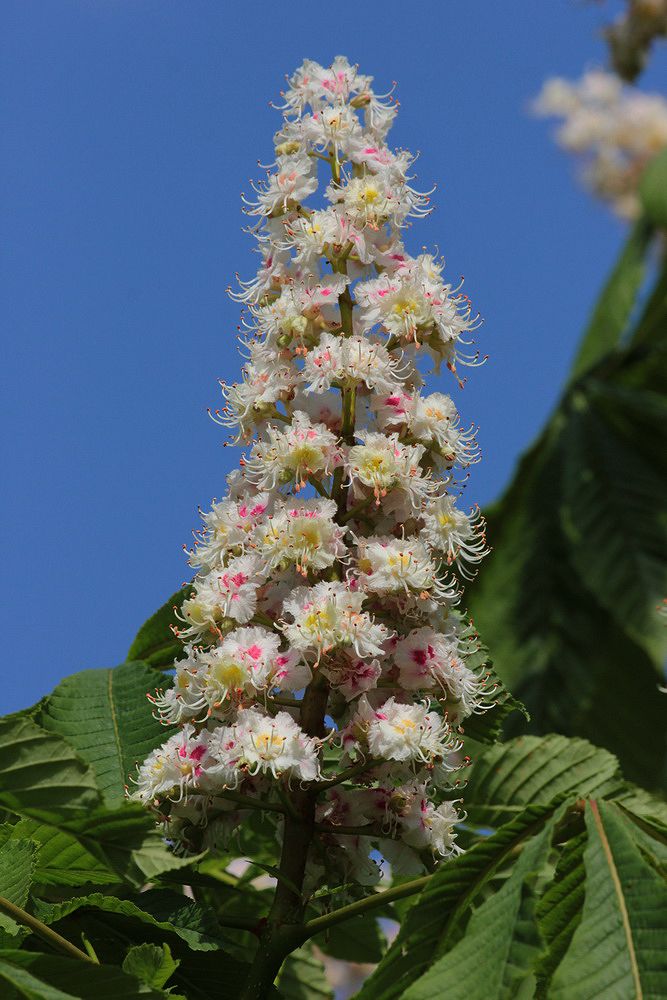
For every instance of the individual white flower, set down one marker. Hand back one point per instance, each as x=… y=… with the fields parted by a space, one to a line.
x=328 y=616
x=336 y=126
x=228 y=592
x=314 y=84
x=393 y=411
x=322 y=409
x=351 y=361
x=293 y=454
x=228 y=526
x=430 y=661
x=401 y=732
x=435 y=421
x=304 y=534
x=349 y=807
x=271 y=274
x=424 y=825
x=398 y=302
x=378 y=199
x=246 y=661
x=294 y=179
x=328 y=232
x=260 y=743
x=174 y=768
x=351 y=675
x=266 y=380
x=302 y=310
x=381 y=464
x=186 y=699
x=459 y=536
x=401 y=565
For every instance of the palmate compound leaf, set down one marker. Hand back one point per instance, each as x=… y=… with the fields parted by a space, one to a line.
x=567 y=599
x=47 y=784
x=496 y=956
x=618 y=948
x=554 y=643
x=102 y=847
x=148 y=915
x=586 y=930
x=206 y=970
x=536 y=771
x=33 y=976
x=41 y=775
x=613 y=504
x=105 y=715
x=438 y=920
x=155 y=642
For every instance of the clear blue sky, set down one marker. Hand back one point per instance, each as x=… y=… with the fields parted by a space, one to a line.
x=129 y=128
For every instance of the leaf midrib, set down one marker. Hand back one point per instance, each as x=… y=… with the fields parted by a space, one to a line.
x=618 y=888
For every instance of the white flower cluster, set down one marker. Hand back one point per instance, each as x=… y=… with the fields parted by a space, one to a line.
x=615 y=130
x=323 y=613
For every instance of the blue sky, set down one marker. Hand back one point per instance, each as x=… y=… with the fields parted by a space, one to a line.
x=130 y=128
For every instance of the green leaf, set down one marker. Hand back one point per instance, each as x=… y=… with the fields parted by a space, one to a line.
x=211 y=975
x=618 y=948
x=302 y=977
x=651 y=325
x=567 y=598
x=150 y=964
x=653 y=189
x=45 y=977
x=357 y=940
x=438 y=920
x=613 y=510
x=155 y=642
x=161 y=909
x=614 y=307
x=65 y=860
x=559 y=909
x=102 y=847
x=40 y=774
x=106 y=717
x=17 y=863
x=537 y=771
x=501 y=945
x=554 y=644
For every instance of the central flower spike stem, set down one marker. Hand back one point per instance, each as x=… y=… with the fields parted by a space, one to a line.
x=285 y=925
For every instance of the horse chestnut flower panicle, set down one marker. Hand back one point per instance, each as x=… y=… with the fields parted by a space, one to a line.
x=324 y=609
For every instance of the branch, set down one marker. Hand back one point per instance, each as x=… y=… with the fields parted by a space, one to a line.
x=239 y=924
x=370 y=830
x=46 y=933
x=355 y=511
x=280 y=699
x=349 y=772
x=313 y=927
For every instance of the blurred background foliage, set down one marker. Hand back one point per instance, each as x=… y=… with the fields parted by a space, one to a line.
x=569 y=599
